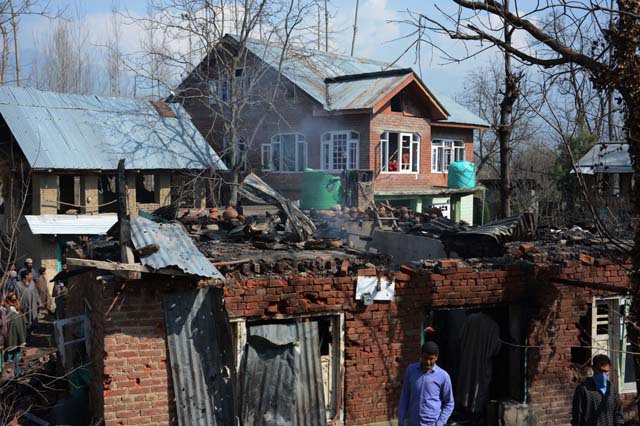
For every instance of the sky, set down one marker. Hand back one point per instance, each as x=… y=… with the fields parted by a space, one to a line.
x=381 y=35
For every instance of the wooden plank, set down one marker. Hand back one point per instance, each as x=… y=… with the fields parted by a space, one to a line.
x=122 y=267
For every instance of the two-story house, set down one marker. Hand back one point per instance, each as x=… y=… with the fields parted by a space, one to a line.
x=334 y=112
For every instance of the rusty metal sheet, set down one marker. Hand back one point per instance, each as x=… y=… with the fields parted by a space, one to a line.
x=176 y=248
x=202 y=383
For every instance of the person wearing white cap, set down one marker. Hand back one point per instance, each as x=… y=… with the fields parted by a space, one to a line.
x=28 y=266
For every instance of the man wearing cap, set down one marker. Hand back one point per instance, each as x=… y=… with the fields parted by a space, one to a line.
x=427 y=398
x=28 y=266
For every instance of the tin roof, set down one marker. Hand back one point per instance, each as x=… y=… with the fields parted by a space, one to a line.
x=176 y=248
x=606 y=158
x=64 y=224
x=458 y=114
x=314 y=72
x=64 y=131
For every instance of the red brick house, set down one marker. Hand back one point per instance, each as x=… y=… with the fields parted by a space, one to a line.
x=334 y=112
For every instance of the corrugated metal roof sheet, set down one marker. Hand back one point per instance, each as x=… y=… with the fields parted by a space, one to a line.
x=63 y=224
x=361 y=93
x=459 y=114
x=176 y=248
x=606 y=158
x=308 y=69
x=63 y=131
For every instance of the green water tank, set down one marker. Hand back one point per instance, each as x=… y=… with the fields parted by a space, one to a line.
x=320 y=190
x=462 y=175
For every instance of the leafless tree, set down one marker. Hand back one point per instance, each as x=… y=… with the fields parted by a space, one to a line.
x=231 y=85
x=482 y=93
x=11 y=11
x=610 y=59
x=67 y=63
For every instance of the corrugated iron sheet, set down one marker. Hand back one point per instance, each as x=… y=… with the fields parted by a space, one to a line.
x=282 y=376
x=63 y=131
x=362 y=93
x=201 y=381
x=63 y=224
x=176 y=248
x=606 y=158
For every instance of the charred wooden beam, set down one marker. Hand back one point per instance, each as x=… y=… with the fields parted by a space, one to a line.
x=595 y=286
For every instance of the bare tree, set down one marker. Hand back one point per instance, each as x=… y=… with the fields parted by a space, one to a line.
x=611 y=60
x=236 y=89
x=355 y=27
x=10 y=13
x=67 y=63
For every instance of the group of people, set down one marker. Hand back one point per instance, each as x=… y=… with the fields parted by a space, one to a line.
x=427 y=394
x=25 y=293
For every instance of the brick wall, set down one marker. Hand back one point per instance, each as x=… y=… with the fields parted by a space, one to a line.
x=380 y=340
x=130 y=378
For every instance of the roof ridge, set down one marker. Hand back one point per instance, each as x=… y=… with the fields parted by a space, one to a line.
x=320 y=52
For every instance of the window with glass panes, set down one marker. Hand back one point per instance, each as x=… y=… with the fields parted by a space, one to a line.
x=340 y=150
x=445 y=152
x=287 y=152
x=399 y=152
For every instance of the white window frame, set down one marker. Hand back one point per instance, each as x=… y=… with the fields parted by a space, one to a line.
x=352 y=150
x=439 y=147
x=267 y=151
x=384 y=152
x=600 y=342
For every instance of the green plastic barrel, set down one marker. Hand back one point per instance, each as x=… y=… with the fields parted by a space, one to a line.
x=320 y=190
x=462 y=175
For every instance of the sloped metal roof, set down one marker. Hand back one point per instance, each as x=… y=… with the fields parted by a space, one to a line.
x=64 y=131
x=606 y=158
x=176 y=248
x=458 y=114
x=309 y=70
x=361 y=93
x=64 y=224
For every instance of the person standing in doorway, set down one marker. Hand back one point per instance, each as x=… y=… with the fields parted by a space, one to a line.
x=596 y=402
x=427 y=397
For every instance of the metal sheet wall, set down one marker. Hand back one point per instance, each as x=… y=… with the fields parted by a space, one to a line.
x=202 y=384
x=282 y=376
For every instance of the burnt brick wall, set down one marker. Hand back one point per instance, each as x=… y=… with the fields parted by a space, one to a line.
x=382 y=339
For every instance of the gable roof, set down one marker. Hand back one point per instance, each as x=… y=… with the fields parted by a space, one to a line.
x=340 y=82
x=606 y=158
x=64 y=131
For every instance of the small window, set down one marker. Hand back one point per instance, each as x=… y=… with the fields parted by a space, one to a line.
x=287 y=152
x=145 y=189
x=396 y=103
x=340 y=150
x=266 y=156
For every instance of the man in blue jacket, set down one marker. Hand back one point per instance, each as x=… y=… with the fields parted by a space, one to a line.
x=427 y=398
